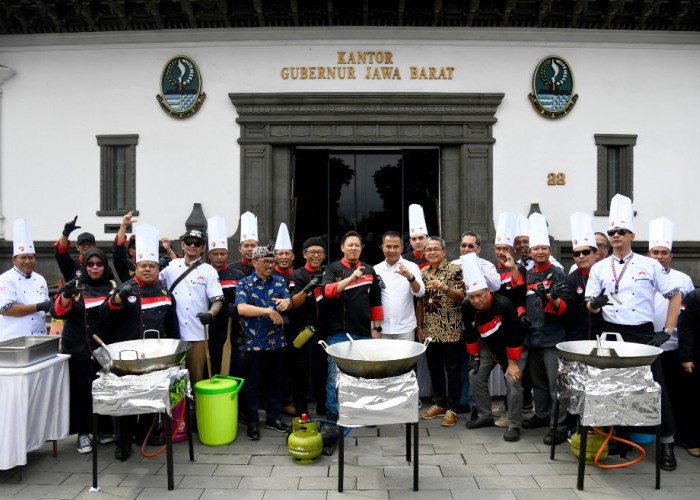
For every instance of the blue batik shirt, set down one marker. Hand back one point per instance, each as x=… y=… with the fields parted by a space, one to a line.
x=261 y=334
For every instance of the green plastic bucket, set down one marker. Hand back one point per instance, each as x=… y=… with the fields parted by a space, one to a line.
x=216 y=401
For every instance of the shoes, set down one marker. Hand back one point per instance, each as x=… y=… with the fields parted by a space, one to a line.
x=499 y=412
x=511 y=435
x=155 y=440
x=501 y=421
x=668 y=458
x=557 y=436
x=475 y=413
x=277 y=425
x=105 y=438
x=535 y=422
x=570 y=435
x=616 y=447
x=83 y=445
x=449 y=419
x=480 y=422
x=253 y=432
x=694 y=451
x=289 y=410
x=434 y=411
x=333 y=417
x=118 y=452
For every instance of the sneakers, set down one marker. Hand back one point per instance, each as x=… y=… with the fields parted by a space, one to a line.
x=276 y=425
x=480 y=422
x=449 y=419
x=535 y=422
x=511 y=435
x=118 y=453
x=557 y=436
x=668 y=458
x=253 y=432
x=83 y=445
x=105 y=438
x=434 y=411
x=501 y=421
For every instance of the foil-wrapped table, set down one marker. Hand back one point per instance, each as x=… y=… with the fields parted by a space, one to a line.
x=154 y=392
x=609 y=397
x=382 y=401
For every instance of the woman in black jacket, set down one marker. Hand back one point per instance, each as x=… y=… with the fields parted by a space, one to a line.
x=78 y=305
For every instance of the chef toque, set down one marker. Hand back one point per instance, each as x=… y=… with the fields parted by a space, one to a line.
x=416 y=221
x=473 y=277
x=522 y=227
x=147 y=241
x=582 y=234
x=284 y=242
x=22 y=241
x=505 y=229
x=216 y=230
x=621 y=212
x=539 y=235
x=249 y=227
x=661 y=233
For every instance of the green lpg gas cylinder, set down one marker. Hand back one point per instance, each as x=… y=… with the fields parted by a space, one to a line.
x=305 y=444
x=593 y=444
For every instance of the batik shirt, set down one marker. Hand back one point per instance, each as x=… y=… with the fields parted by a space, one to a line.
x=442 y=316
x=261 y=334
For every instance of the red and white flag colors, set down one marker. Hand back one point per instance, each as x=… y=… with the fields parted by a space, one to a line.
x=22 y=241
x=147 y=241
x=505 y=229
x=416 y=220
x=621 y=213
x=216 y=231
x=473 y=277
x=582 y=234
x=661 y=233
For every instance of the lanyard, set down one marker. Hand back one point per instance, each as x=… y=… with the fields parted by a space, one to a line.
x=624 y=268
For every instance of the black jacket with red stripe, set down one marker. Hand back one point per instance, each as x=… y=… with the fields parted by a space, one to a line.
x=244 y=266
x=581 y=324
x=496 y=327
x=412 y=256
x=149 y=307
x=229 y=277
x=514 y=290
x=311 y=311
x=353 y=309
x=547 y=324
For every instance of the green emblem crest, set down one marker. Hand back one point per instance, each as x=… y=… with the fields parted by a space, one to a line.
x=181 y=87
x=553 y=87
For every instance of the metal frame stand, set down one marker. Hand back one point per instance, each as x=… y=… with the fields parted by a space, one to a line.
x=409 y=425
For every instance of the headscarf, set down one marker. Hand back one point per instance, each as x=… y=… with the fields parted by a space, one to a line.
x=85 y=277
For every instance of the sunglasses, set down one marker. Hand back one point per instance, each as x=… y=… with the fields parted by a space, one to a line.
x=196 y=243
x=621 y=232
x=469 y=245
x=97 y=264
x=578 y=253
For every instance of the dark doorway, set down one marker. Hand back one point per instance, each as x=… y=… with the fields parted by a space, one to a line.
x=335 y=191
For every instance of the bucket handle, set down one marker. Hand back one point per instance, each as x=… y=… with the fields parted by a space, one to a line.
x=230 y=377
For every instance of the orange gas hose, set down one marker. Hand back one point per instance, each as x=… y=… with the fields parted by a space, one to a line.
x=177 y=427
x=608 y=435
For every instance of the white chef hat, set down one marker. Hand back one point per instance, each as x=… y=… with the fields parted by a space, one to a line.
x=621 y=212
x=22 y=241
x=505 y=229
x=416 y=221
x=216 y=230
x=582 y=234
x=249 y=227
x=661 y=233
x=473 y=277
x=147 y=241
x=539 y=235
x=522 y=227
x=284 y=242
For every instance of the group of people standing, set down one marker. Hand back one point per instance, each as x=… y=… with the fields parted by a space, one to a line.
x=478 y=315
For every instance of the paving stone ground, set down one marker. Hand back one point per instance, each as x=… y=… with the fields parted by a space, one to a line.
x=454 y=463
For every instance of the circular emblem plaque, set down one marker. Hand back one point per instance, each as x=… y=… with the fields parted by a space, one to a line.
x=553 y=87
x=181 y=87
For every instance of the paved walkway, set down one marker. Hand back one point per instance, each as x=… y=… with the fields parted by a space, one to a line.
x=454 y=463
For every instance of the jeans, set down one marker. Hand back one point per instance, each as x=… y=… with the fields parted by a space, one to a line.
x=263 y=367
x=466 y=396
x=331 y=393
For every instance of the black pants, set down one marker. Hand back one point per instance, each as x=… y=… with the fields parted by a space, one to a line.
x=678 y=383
x=444 y=362
x=82 y=372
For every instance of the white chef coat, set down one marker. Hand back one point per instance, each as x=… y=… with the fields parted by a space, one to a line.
x=17 y=288
x=397 y=297
x=685 y=284
x=636 y=288
x=491 y=275
x=192 y=295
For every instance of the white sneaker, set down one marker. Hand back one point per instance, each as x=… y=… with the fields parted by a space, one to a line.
x=84 y=445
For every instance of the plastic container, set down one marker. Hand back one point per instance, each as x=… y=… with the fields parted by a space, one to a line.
x=641 y=438
x=216 y=401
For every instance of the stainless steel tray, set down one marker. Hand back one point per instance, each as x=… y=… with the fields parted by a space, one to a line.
x=27 y=350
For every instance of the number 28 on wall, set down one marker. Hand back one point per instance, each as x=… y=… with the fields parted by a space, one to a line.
x=556 y=179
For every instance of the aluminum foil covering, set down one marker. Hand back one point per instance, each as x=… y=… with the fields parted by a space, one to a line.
x=377 y=401
x=610 y=396
x=136 y=394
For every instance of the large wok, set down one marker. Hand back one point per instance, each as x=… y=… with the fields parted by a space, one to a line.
x=387 y=358
x=135 y=357
x=609 y=354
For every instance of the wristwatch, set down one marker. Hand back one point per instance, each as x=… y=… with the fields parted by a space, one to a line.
x=412 y=279
x=377 y=329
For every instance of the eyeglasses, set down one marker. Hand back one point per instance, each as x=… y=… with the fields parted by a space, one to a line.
x=267 y=262
x=196 y=243
x=97 y=264
x=578 y=253
x=315 y=253
x=468 y=245
x=622 y=231
x=433 y=249
x=602 y=245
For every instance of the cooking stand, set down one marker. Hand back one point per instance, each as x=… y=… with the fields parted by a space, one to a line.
x=150 y=394
x=577 y=384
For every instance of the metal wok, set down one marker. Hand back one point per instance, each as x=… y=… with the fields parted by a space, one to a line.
x=136 y=357
x=610 y=354
x=387 y=358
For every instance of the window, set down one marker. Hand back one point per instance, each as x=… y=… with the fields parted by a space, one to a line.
x=117 y=173
x=615 y=168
